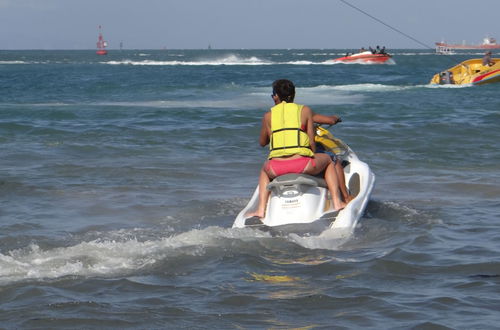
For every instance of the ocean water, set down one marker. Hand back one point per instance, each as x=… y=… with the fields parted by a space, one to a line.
x=121 y=176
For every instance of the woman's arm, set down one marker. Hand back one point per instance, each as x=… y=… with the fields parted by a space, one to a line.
x=323 y=119
x=265 y=130
x=308 y=117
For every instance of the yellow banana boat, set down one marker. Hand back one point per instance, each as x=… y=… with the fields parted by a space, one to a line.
x=469 y=72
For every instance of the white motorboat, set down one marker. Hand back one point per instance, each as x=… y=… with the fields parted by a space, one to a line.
x=301 y=203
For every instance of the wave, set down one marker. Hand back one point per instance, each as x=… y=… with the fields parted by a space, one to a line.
x=448 y=86
x=249 y=98
x=120 y=253
x=231 y=96
x=128 y=252
x=125 y=252
x=228 y=60
x=367 y=87
x=15 y=62
x=414 y=54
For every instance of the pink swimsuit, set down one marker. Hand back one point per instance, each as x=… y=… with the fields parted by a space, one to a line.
x=295 y=165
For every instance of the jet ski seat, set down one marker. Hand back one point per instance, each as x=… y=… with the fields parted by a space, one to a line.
x=294 y=183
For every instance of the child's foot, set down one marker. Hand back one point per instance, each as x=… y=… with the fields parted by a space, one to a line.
x=339 y=206
x=256 y=214
x=348 y=198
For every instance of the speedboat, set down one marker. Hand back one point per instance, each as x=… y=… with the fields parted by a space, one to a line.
x=469 y=72
x=364 y=57
x=301 y=203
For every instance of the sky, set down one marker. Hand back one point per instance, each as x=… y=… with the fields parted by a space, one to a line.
x=243 y=24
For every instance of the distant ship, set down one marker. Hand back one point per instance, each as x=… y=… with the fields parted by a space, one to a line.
x=488 y=43
x=101 y=44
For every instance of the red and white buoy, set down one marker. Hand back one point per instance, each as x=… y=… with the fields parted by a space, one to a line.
x=101 y=44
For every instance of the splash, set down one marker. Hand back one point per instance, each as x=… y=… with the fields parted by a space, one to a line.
x=448 y=86
x=226 y=60
x=372 y=88
x=14 y=62
x=118 y=254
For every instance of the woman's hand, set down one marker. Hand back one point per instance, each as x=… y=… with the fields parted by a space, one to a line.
x=326 y=120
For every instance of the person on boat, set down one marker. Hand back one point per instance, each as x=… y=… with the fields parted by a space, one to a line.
x=288 y=128
x=446 y=78
x=487 y=59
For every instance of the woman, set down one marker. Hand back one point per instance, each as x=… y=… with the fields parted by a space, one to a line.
x=288 y=129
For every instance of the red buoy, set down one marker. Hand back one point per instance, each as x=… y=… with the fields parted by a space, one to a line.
x=101 y=44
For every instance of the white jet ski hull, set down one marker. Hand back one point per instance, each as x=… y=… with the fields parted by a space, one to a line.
x=302 y=199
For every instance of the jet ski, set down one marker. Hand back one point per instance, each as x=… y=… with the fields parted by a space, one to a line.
x=301 y=203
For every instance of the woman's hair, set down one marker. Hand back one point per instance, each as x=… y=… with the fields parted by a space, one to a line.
x=285 y=89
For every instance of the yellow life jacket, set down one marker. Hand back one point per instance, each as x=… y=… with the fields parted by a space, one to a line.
x=287 y=136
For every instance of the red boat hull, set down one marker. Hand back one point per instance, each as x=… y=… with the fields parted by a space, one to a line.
x=102 y=52
x=364 y=58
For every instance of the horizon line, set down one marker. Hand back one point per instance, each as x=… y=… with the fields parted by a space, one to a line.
x=212 y=49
